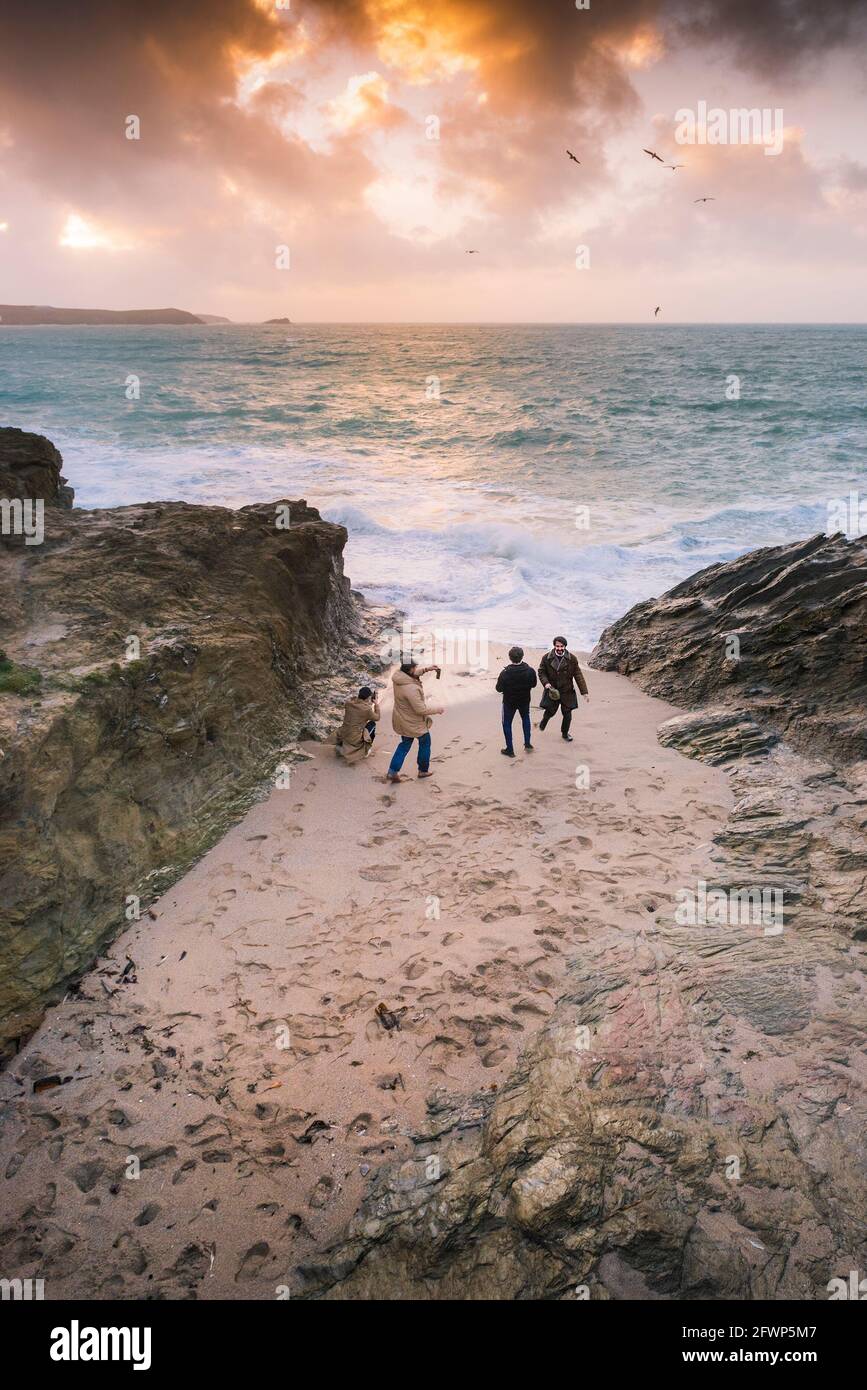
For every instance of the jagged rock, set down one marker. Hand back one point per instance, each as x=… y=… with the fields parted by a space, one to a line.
x=117 y=773
x=716 y=736
x=30 y=467
x=780 y=633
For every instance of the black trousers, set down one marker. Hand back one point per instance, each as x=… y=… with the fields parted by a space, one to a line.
x=564 y=722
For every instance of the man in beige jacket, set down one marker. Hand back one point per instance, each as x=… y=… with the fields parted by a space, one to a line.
x=358 y=730
x=411 y=718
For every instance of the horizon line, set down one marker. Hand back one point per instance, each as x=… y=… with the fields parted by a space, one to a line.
x=457 y=323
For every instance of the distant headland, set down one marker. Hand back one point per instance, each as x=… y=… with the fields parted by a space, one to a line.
x=12 y=314
x=46 y=313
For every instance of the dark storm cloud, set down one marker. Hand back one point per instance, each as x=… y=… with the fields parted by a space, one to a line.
x=768 y=35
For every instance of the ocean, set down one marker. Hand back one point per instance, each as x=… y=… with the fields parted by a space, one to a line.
x=519 y=480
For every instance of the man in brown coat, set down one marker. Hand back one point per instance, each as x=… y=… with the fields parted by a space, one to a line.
x=358 y=730
x=559 y=672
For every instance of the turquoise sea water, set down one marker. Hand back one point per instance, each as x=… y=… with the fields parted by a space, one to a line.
x=521 y=479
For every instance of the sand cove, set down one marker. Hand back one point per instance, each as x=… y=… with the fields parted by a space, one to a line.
x=228 y=1090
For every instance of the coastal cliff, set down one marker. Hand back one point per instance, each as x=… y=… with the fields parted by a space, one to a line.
x=46 y=314
x=688 y=1124
x=157 y=662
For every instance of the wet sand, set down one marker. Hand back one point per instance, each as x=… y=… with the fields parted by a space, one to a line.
x=239 y=1065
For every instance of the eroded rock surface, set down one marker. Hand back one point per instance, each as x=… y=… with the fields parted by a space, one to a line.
x=30 y=468
x=156 y=662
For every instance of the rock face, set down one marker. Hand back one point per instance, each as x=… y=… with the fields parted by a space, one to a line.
x=156 y=661
x=689 y=1123
x=780 y=633
x=30 y=467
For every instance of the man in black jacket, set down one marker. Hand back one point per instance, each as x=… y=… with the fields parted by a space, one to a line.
x=514 y=683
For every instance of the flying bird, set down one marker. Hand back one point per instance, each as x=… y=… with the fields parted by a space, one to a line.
x=704 y=200
x=571 y=156
x=656 y=310
x=654 y=155
x=471 y=253
x=675 y=166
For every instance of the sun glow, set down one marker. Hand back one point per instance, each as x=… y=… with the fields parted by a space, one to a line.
x=363 y=102
x=643 y=49
x=421 y=49
x=81 y=235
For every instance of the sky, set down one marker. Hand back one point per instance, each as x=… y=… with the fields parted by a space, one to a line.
x=337 y=161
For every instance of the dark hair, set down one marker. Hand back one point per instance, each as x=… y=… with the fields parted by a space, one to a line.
x=561 y=639
x=516 y=653
x=365 y=693
x=408 y=667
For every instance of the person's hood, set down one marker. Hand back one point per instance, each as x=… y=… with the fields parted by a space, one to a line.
x=356 y=703
x=401 y=678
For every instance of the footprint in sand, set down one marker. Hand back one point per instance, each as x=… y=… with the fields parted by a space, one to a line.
x=379 y=873
x=441 y=1049
x=322 y=1193
x=415 y=966
x=253 y=1261
x=509 y=907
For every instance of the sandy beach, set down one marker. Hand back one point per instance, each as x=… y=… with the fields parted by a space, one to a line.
x=226 y=1048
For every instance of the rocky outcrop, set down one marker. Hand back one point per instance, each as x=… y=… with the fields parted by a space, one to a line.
x=157 y=663
x=689 y=1123
x=780 y=633
x=30 y=468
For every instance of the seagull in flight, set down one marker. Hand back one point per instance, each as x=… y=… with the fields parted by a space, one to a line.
x=704 y=200
x=471 y=253
x=656 y=310
x=654 y=155
x=571 y=156
x=675 y=166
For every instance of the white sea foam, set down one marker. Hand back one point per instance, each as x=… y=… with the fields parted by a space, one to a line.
x=470 y=509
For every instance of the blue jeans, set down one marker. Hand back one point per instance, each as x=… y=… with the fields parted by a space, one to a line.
x=403 y=748
x=509 y=712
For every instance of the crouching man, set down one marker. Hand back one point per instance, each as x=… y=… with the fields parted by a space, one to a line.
x=358 y=730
